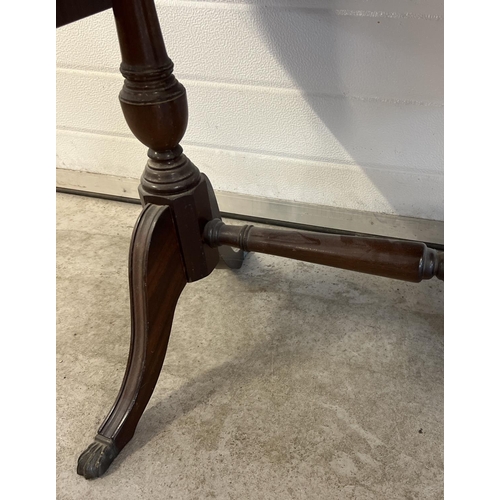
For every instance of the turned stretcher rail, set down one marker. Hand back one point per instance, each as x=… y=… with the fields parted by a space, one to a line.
x=397 y=259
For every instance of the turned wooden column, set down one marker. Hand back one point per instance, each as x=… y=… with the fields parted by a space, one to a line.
x=167 y=248
x=155 y=107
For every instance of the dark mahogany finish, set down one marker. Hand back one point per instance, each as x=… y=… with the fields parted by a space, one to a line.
x=177 y=237
x=154 y=104
x=69 y=11
x=157 y=278
x=397 y=259
x=167 y=248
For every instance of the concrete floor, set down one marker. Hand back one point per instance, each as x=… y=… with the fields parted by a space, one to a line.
x=282 y=380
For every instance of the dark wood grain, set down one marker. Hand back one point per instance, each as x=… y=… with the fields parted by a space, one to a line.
x=397 y=259
x=154 y=104
x=157 y=278
x=153 y=101
x=167 y=248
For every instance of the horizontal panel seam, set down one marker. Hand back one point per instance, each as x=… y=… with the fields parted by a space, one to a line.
x=331 y=9
x=247 y=151
x=261 y=88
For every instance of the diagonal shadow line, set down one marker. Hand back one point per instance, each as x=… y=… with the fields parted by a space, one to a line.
x=344 y=121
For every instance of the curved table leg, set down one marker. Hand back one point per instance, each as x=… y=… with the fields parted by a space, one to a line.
x=157 y=278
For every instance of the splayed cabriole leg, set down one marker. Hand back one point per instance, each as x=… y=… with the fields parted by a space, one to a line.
x=167 y=248
x=157 y=278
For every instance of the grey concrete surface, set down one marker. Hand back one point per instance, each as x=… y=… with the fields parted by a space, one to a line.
x=282 y=380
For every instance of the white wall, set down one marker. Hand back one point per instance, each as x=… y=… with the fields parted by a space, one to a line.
x=334 y=102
